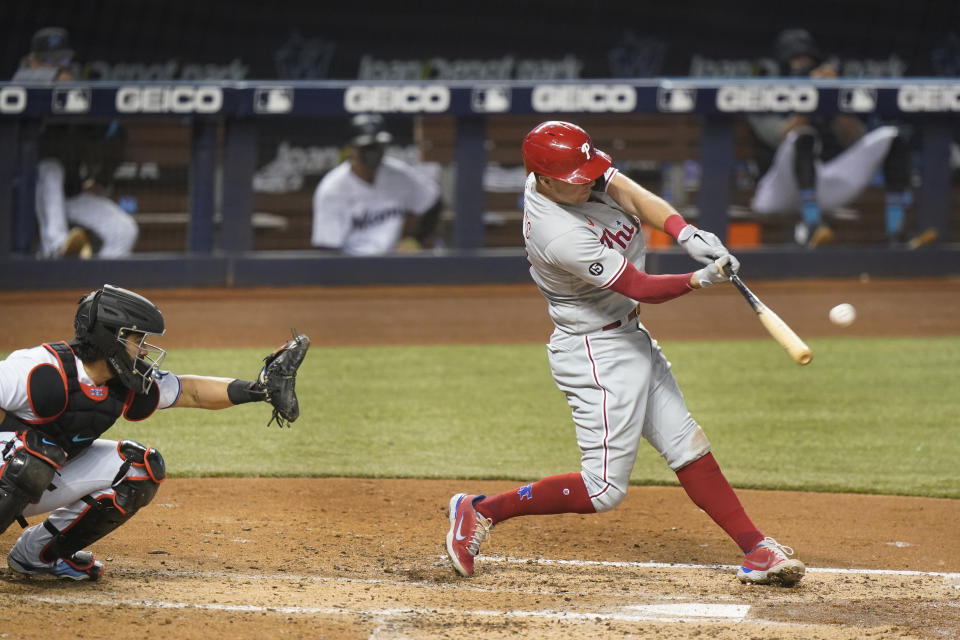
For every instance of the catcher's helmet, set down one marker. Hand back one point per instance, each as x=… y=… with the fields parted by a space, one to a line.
x=796 y=42
x=106 y=318
x=563 y=151
x=367 y=129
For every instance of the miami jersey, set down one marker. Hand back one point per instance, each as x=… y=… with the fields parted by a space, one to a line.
x=361 y=218
x=576 y=252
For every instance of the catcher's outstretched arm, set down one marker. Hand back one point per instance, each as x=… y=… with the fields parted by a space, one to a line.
x=205 y=392
x=275 y=384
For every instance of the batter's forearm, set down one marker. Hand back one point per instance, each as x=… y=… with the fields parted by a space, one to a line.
x=651 y=289
x=649 y=207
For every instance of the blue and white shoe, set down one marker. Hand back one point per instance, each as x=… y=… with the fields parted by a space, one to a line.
x=79 y=566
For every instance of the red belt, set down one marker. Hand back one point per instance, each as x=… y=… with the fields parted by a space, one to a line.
x=616 y=323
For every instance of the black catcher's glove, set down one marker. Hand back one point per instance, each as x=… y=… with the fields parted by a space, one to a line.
x=278 y=379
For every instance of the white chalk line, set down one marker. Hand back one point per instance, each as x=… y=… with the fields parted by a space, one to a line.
x=947 y=576
x=724 y=567
x=678 y=612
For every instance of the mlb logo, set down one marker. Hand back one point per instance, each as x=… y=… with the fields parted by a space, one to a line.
x=74 y=100
x=273 y=100
x=676 y=100
x=857 y=99
x=491 y=99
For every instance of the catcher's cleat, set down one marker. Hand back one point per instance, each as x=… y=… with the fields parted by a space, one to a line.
x=467 y=530
x=767 y=563
x=79 y=566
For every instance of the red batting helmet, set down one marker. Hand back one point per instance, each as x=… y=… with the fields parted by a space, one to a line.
x=563 y=151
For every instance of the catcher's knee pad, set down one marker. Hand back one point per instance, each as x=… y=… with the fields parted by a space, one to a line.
x=26 y=475
x=110 y=510
x=142 y=457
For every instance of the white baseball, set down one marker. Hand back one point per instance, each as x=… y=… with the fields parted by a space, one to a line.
x=843 y=315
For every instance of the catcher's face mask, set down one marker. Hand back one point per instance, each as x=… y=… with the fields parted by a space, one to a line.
x=139 y=359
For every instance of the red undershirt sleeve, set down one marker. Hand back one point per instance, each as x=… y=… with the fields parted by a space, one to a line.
x=651 y=289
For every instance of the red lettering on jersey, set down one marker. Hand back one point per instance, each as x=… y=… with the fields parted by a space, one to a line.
x=621 y=237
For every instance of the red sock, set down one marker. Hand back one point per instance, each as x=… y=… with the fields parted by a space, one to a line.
x=564 y=493
x=704 y=483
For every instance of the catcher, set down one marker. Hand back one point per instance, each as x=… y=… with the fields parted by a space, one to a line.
x=58 y=398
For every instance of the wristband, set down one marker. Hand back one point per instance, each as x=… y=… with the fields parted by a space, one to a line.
x=674 y=224
x=241 y=391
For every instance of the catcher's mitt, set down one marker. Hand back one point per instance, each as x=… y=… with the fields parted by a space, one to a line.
x=278 y=379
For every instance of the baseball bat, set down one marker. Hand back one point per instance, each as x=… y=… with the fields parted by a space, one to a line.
x=777 y=328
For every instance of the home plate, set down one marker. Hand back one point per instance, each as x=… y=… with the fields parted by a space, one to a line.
x=688 y=611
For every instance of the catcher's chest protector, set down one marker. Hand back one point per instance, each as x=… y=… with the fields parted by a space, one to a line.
x=74 y=415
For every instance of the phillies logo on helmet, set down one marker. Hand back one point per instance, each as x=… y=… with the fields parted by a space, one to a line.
x=585 y=147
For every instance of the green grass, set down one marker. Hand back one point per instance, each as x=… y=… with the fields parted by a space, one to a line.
x=868 y=415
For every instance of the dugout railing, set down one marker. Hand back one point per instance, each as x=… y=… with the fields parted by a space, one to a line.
x=466 y=125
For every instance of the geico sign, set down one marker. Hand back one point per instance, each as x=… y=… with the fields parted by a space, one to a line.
x=929 y=98
x=405 y=99
x=167 y=99
x=767 y=98
x=584 y=97
x=13 y=99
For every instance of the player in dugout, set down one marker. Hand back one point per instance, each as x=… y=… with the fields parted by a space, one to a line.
x=373 y=203
x=75 y=213
x=815 y=165
x=582 y=231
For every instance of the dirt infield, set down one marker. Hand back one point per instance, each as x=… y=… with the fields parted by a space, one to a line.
x=341 y=558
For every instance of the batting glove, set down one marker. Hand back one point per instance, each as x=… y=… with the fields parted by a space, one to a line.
x=716 y=272
x=704 y=247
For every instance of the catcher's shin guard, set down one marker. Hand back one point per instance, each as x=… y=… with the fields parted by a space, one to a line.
x=110 y=510
x=26 y=475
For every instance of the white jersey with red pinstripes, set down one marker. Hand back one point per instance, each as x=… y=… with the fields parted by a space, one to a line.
x=576 y=252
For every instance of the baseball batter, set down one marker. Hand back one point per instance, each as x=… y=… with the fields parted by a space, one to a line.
x=58 y=398
x=371 y=202
x=582 y=230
